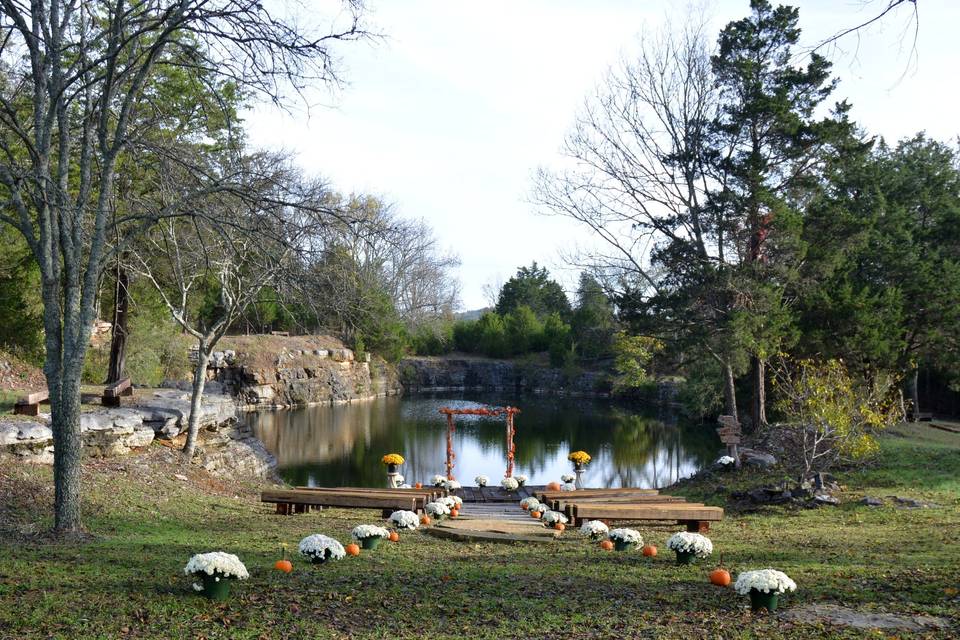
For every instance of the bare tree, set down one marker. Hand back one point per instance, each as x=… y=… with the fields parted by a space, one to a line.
x=636 y=174
x=228 y=247
x=73 y=75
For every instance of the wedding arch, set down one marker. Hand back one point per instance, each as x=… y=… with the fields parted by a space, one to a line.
x=495 y=412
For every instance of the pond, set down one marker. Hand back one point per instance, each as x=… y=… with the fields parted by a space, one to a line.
x=342 y=445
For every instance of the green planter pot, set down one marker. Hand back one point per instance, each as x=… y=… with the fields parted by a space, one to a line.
x=685 y=557
x=214 y=589
x=370 y=543
x=760 y=600
x=622 y=545
x=321 y=559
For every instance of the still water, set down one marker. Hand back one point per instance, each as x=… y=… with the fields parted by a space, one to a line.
x=342 y=445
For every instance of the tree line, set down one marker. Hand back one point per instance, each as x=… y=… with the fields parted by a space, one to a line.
x=745 y=220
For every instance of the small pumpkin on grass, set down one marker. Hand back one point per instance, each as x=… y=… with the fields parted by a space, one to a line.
x=394 y=536
x=649 y=550
x=425 y=520
x=283 y=564
x=352 y=549
x=560 y=527
x=606 y=545
x=720 y=576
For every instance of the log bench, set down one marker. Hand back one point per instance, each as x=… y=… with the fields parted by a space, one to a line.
x=290 y=501
x=696 y=517
x=559 y=504
x=29 y=405
x=113 y=392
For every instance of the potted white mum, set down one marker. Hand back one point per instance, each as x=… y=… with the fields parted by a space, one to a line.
x=764 y=587
x=521 y=479
x=320 y=548
x=437 y=510
x=553 y=518
x=509 y=484
x=216 y=570
x=625 y=539
x=568 y=478
x=568 y=486
x=689 y=546
x=438 y=480
x=482 y=481
x=451 y=485
x=404 y=519
x=529 y=504
x=595 y=529
x=369 y=535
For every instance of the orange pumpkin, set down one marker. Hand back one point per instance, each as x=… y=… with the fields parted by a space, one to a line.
x=649 y=550
x=394 y=536
x=419 y=485
x=606 y=545
x=535 y=514
x=560 y=527
x=352 y=549
x=425 y=520
x=283 y=565
x=553 y=486
x=720 y=577
x=454 y=513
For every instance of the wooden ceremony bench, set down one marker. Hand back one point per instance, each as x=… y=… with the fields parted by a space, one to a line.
x=696 y=517
x=290 y=501
x=113 y=392
x=29 y=405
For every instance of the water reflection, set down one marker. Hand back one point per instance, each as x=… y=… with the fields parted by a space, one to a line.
x=342 y=445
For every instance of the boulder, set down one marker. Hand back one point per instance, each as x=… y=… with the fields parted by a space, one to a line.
x=757 y=459
x=826 y=499
x=8 y=433
x=869 y=501
x=34 y=431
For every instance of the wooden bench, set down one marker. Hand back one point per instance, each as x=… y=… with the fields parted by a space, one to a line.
x=428 y=493
x=301 y=500
x=29 y=405
x=696 y=517
x=113 y=392
x=558 y=504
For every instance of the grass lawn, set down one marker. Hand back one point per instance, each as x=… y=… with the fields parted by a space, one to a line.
x=127 y=582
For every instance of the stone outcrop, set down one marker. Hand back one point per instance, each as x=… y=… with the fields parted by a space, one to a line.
x=304 y=377
x=225 y=447
x=469 y=373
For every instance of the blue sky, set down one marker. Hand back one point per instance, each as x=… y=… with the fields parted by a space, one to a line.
x=450 y=115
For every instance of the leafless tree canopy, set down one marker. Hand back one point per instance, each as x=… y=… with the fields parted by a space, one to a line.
x=635 y=172
x=74 y=77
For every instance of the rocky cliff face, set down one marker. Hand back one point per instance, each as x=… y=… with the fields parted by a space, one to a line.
x=300 y=377
x=446 y=373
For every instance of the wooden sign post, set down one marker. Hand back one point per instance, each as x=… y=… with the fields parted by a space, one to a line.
x=729 y=433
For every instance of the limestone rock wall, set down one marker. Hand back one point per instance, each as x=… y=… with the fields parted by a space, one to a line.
x=225 y=447
x=304 y=377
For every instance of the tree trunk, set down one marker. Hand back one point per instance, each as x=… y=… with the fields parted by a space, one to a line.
x=913 y=386
x=199 y=381
x=118 y=334
x=67 y=446
x=758 y=410
x=730 y=391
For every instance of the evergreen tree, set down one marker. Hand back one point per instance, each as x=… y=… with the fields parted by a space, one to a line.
x=532 y=286
x=593 y=321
